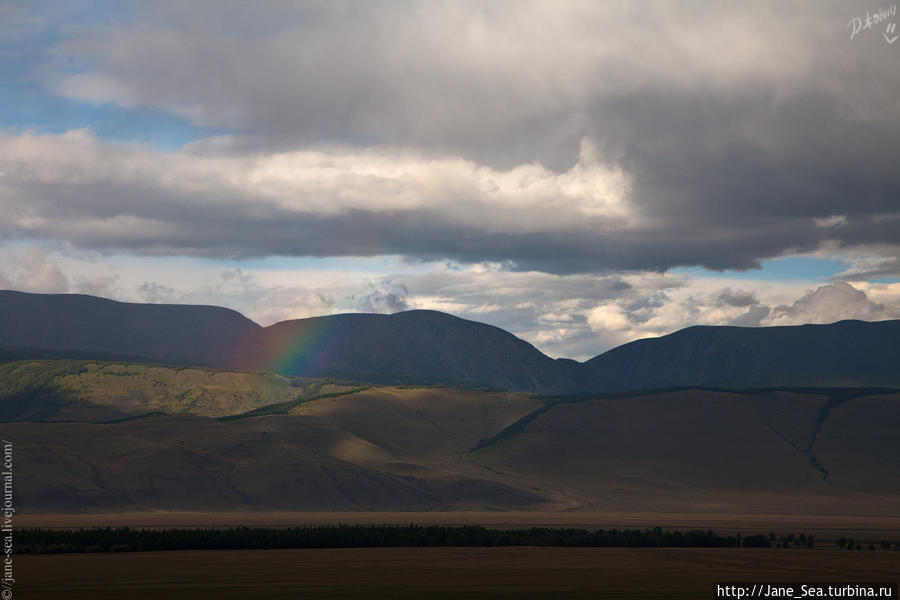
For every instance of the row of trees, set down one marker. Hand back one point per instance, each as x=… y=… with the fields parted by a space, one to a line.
x=851 y=544
x=125 y=539
x=37 y=541
x=792 y=541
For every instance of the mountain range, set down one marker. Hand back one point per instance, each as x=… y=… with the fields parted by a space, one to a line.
x=423 y=346
x=118 y=407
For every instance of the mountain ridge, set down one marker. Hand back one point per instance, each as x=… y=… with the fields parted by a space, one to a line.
x=422 y=346
x=845 y=352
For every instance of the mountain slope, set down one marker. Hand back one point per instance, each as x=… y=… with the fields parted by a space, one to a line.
x=694 y=450
x=391 y=449
x=412 y=346
x=94 y=326
x=840 y=354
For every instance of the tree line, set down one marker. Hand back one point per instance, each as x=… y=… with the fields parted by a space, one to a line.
x=126 y=539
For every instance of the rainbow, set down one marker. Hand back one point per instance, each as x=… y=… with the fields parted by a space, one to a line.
x=297 y=347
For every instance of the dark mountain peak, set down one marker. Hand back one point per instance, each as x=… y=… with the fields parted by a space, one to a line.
x=87 y=324
x=848 y=352
x=409 y=346
x=417 y=316
x=53 y=303
x=429 y=314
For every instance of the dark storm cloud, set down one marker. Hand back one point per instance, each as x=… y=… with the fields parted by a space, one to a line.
x=721 y=135
x=731 y=297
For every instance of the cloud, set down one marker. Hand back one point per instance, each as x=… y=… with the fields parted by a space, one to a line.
x=537 y=166
x=827 y=304
x=386 y=298
x=104 y=286
x=472 y=77
x=878 y=263
x=38 y=272
x=93 y=194
x=576 y=316
x=156 y=293
x=672 y=134
x=83 y=191
x=753 y=317
x=608 y=317
x=737 y=298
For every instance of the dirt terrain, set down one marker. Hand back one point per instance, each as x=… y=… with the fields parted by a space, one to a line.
x=436 y=572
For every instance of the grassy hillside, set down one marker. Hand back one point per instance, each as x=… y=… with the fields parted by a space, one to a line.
x=415 y=422
x=100 y=391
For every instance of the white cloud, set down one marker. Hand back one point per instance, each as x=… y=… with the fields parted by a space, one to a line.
x=91 y=193
x=827 y=304
x=387 y=297
x=831 y=221
x=608 y=317
x=40 y=273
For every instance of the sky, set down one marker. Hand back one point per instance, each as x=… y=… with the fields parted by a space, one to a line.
x=582 y=174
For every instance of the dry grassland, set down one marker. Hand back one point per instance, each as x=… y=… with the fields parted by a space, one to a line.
x=435 y=572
